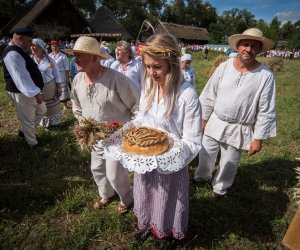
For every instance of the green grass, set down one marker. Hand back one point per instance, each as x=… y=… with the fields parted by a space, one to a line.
x=47 y=194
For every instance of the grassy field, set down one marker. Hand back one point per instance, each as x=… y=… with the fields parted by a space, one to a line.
x=46 y=194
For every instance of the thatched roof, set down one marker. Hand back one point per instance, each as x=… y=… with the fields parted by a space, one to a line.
x=110 y=35
x=182 y=31
x=104 y=21
x=52 y=16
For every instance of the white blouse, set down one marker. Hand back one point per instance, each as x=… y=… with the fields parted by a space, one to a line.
x=133 y=70
x=49 y=70
x=63 y=64
x=184 y=121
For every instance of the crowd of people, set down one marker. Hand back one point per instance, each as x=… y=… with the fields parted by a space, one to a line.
x=156 y=88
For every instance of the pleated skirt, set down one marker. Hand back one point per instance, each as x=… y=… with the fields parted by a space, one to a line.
x=161 y=203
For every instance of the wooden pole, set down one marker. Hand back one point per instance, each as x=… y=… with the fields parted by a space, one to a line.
x=291 y=239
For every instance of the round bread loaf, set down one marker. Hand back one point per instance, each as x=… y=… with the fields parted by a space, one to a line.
x=145 y=141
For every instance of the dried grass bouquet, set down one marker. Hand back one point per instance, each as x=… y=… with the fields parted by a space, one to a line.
x=89 y=131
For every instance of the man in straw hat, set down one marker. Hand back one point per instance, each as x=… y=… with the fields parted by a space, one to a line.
x=103 y=94
x=238 y=105
x=24 y=83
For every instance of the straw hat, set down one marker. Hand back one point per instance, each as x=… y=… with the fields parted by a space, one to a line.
x=252 y=34
x=87 y=45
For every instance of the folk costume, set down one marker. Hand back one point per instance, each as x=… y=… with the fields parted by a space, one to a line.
x=23 y=82
x=133 y=70
x=239 y=107
x=62 y=63
x=52 y=81
x=161 y=200
x=111 y=98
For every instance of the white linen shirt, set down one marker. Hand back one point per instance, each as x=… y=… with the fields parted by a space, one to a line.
x=48 y=72
x=16 y=66
x=184 y=121
x=62 y=62
x=133 y=70
x=112 y=97
x=239 y=106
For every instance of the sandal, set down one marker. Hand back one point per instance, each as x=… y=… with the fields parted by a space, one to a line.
x=99 y=204
x=122 y=209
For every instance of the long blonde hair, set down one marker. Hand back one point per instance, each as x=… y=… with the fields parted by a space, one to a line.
x=163 y=46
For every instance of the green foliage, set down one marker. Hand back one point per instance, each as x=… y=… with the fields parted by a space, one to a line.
x=190 y=12
x=8 y=10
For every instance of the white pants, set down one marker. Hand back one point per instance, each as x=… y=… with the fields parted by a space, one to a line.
x=229 y=162
x=109 y=176
x=29 y=113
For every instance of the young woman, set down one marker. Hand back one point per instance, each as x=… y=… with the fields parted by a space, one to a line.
x=161 y=200
x=52 y=82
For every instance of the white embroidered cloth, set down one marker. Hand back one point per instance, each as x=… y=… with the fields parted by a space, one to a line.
x=171 y=161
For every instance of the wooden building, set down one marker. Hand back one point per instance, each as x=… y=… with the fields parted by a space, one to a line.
x=104 y=21
x=184 y=33
x=50 y=19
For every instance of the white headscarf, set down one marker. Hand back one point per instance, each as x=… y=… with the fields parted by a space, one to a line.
x=41 y=43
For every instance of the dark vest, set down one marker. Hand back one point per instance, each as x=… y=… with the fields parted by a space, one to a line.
x=31 y=66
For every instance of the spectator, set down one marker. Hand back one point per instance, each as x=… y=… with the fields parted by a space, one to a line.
x=62 y=62
x=24 y=83
x=127 y=64
x=187 y=70
x=52 y=82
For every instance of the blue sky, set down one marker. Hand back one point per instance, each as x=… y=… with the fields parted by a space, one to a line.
x=285 y=10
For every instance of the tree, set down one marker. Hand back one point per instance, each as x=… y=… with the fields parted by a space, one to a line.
x=236 y=20
x=8 y=10
x=216 y=33
x=200 y=14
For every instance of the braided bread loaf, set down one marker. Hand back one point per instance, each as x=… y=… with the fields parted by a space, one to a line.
x=145 y=141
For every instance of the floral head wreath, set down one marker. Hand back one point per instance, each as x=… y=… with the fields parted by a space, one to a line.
x=158 y=50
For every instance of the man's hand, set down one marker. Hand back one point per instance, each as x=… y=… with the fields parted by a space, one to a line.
x=255 y=147
x=203 y=124
x=39 y=98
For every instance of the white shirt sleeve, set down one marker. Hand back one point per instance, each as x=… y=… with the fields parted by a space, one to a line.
x=76 y=106
x=16 y=67
x=66 y=63
x=265 y=125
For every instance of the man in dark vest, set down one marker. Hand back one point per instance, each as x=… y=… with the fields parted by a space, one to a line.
x=24 y=83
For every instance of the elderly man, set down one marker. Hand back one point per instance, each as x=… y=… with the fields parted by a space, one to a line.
x=238 y=105
x=104 y=95
x=24 y=83
x=127 y=64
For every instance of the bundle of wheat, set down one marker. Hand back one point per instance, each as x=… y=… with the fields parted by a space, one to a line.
x=218 y=60
x=90 y=131
x=275 y=63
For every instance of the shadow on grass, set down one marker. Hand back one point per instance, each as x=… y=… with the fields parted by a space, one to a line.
x=254 y=203
x=33 y=179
